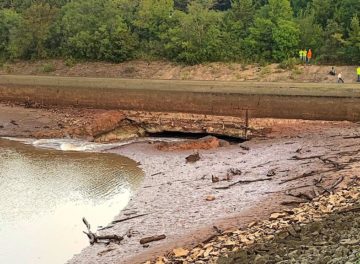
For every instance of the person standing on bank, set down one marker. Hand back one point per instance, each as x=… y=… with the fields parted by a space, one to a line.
x=309 y=56
x=340 y=79
x=358 y=73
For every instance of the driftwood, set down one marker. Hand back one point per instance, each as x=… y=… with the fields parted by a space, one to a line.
x=331 y=188
x=351 y=137
x=128 y=218
x=308 y=174
x=146 y=240
x=336 y=183
x=293 y=203
x=301 y=195
x=158 y=173
x=94 y=238
x=349 y=210
x=234 y=171
x=305 y=158
x=241 y=182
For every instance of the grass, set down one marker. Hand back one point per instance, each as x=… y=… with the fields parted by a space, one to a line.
x=48 y=67
x=265 y=70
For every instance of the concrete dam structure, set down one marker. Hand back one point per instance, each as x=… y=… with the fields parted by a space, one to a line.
x=311 y=101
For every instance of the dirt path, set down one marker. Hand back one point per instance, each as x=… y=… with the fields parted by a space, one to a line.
x=170 y=71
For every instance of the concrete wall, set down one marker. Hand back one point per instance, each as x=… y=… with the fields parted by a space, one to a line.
x=274 y=100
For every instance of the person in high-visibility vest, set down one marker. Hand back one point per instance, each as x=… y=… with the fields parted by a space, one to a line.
x=358 y=73
x=304 y=55
x=309 y=55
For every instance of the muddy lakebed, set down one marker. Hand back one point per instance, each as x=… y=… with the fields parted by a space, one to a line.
x=184 y=200
x=46 y=192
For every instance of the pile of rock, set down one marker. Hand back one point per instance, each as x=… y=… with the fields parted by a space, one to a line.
x=326 y=230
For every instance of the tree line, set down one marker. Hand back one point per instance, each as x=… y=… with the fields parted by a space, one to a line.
x=186 y=31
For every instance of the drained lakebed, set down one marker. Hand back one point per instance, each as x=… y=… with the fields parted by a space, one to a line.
x=46 y=192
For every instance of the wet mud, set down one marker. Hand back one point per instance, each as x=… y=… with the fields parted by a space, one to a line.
x=292 y=162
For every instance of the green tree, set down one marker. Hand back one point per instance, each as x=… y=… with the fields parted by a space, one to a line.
x=197 y=36
x=353 y=42
x=29 y=40
x=274 y=35
x=96 y=30
x=312 y=34
x=10 y=22
x=154 y=18
x=333 y=48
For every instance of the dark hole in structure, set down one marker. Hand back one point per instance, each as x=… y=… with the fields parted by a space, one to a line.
x=192 y=135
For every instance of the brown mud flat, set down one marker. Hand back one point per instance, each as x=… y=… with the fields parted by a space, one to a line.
x=289 y=164
x=169 y=71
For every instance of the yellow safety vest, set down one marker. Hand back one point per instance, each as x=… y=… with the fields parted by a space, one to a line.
x=358 y=71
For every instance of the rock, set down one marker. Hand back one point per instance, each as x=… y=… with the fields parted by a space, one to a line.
x=292 y=231
x=193 y=158
x=350 y=242
x=207 y=251
x=275 y=216
x=271 y=173
x=251 y=224
x=260 y=260
x=244 y=147
x=223 y=143
x=203 y=143
x=210 y=198
x=180 y=252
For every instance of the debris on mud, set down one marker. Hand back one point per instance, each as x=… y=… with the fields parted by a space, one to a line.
x=193 y=158
x=326 y=230
x=147 y=240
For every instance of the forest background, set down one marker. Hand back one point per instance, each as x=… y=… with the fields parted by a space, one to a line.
x=185 y=31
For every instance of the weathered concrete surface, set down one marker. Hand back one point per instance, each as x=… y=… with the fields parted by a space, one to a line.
x=275 y=100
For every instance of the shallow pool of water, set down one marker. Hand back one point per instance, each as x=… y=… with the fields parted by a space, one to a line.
x=45 y=193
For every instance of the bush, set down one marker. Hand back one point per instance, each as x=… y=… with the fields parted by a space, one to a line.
x=289 y=64
x=70 y=62
x=48 y=67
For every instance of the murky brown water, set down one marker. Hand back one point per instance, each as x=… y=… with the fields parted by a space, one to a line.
x=45 y=193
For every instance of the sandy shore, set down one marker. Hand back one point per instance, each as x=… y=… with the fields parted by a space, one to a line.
x=174 y=193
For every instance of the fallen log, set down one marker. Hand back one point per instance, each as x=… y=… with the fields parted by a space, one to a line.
x=241 y=182
x=147 y=240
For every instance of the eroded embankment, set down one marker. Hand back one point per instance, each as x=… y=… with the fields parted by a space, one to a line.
x=310 y=101
x=108 y=126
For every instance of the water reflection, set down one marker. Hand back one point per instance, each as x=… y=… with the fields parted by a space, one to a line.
x=45 y=193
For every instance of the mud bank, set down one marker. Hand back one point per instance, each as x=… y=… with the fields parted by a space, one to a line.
x=184 y=201
x=175 y=194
